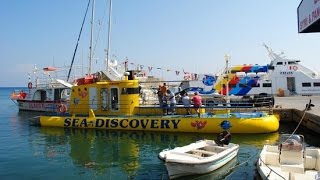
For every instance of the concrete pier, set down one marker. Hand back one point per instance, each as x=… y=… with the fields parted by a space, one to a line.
x=292 y=109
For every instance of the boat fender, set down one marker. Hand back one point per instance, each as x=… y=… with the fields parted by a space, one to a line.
x=30 y=85
x=62 y=108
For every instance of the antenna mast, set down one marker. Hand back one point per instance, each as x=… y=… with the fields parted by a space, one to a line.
x=109 y=32
x=91 y=37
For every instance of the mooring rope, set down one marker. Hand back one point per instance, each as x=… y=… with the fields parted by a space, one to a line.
x=304 y=113
x=271 y=170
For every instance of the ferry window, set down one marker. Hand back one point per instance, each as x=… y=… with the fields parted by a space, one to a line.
x=266 y=85
x=234 y=71
x=306 y=84
x=315 y=84
x=292 y=62
x=114 y=99
x=279 y=63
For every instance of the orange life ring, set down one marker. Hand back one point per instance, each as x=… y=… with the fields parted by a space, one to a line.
x=62 y=108
x=295 y=68
x=30 y=85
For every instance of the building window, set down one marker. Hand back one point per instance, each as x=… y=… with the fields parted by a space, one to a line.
x=315 y=84
x=306 y=84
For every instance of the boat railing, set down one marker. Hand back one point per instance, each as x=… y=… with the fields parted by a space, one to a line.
x=156 y=109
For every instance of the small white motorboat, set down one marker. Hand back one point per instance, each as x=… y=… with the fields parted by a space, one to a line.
x=289 y=160
x=201 y=157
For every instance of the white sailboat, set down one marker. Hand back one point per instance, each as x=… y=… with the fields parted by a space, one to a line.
x=48 y=92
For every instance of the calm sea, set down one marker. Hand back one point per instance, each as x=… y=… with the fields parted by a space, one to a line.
x=29 y=152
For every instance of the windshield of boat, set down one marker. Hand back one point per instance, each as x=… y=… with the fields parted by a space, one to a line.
x=289 y=137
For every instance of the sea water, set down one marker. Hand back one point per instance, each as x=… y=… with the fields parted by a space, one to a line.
x=30 y=152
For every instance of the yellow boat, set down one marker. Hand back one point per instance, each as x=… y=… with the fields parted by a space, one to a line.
x=115 y=105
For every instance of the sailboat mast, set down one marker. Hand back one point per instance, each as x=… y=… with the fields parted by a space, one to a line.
x=109 y=32
x=91 y=36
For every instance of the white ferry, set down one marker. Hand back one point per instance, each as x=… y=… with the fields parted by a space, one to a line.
x=282 y=77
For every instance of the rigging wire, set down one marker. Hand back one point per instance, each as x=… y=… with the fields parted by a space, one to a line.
x=101 y=24
x=75 y=50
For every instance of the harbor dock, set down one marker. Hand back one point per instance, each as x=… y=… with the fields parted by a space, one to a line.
x=292 y=109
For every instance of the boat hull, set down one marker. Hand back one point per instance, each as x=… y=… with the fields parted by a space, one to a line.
x=40 y=106
x=174 y=123
x=176 y=170
x=201 y=157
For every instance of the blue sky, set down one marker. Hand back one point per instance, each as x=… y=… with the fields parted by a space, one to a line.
x=189 y=35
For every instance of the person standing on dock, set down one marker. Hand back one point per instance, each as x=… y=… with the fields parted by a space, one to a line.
x=197 y=102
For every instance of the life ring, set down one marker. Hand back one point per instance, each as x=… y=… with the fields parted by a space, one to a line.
x=62 y=108
x=295 y=68
x=30 y=85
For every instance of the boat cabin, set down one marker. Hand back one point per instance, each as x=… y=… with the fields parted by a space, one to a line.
x=105 y=97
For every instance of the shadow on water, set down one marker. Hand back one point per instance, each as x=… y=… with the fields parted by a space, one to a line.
x=218 y=174
x=108 y=154
x=132 y=154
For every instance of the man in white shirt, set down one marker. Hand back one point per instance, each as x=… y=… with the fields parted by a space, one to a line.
x=172 y=99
